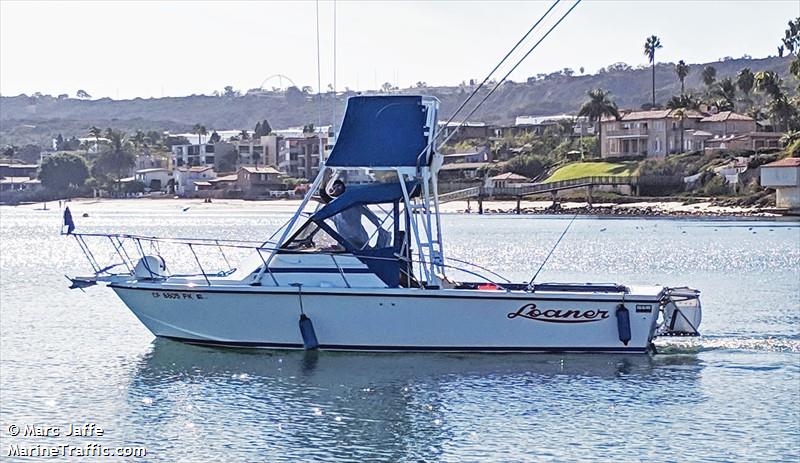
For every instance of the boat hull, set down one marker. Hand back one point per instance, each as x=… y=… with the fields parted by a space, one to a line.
x=393 y=320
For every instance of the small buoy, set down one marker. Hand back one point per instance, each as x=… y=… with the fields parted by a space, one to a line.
x=604 y=229
x=307 y=331
x=85 y=214
x=623 y=324
x=186 y=208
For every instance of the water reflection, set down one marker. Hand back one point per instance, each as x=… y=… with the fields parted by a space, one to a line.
x=345 y=406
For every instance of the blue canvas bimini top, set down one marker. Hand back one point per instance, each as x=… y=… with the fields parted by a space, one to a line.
x=381 y=131
x=370 y=193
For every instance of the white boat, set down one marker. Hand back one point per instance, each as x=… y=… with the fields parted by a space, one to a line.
x=365 y=269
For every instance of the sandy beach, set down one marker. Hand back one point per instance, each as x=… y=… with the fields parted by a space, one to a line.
x=288 y=206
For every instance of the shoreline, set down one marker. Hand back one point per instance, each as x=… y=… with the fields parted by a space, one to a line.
x=639 y=209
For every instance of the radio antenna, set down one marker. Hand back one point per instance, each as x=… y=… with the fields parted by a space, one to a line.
x=553 y=249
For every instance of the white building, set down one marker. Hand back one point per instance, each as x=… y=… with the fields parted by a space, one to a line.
x=155 y=179
x=185 y=178
x=784 y=177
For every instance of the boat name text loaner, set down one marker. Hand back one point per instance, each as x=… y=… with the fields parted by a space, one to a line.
x=530 y=312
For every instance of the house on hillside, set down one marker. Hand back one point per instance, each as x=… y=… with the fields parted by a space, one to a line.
x=658 y=132
x=507 y=180
x=481 y=155
x=467 y=131
x=784 y=177
x=751 y=141
x=539 y=124
x=461 y=171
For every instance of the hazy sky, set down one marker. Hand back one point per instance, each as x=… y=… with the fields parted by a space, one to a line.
x=150 y=49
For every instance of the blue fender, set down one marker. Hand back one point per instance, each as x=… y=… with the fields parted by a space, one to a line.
x=624 y=324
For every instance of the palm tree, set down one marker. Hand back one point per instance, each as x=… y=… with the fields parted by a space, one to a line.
x=680 y=113
x=138 y=139
x=725 y=91
x=95 y=132
x=790 y=137
x=201 y=131
x=709 y=75
x=652 y=44
x=780 y=109
x=244 y=135
x=745 y=81
x=682 y=70
x=599 y=105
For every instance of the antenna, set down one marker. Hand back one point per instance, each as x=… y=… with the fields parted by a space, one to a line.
x=319 y=96
x=335 y=100
x=553 y=249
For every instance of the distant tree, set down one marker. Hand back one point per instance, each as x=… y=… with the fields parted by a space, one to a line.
x=8 y=151
x=652 y=44
x=134 y=187
x=228 y=161
x=790 y=137
x=582 y=69
x=598 y=106
x=115 y=160
x=568 y=72
x=138 y=139
x=308 y=128
x=82 y=94
x=307 y=89
x=386 y=87
x=791 y=41
x=709 y=75
x=680 y=113
x=244 y=135
x=472 y=82
x=265 y=127
x=725 y=92
x=525 y=165
x=214 y=138
x=153 y=137
x=745 y=81
x=780 y=51
x=421 y=84
x=59 y=142
x=29 y=153
x=171 y=141
x=63 y=96
x=782 y=112
x=682 y=70
x=95 y=132
x=230 y=92
x=62 y=170
x=200 y=131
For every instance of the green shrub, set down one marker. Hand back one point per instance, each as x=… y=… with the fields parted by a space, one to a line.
x=716 y=186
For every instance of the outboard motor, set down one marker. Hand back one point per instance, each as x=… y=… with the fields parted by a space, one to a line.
x=682 y=312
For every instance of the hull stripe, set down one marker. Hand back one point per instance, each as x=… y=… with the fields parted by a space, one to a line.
x=421 y=293
x=347 y=347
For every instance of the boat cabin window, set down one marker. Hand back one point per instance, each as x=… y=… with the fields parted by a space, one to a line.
x=312 y=237
x=358 y=228
x=362 y=228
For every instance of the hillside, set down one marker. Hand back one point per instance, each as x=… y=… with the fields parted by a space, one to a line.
x=25 y=119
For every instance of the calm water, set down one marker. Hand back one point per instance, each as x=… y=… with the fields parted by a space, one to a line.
x=734 y=395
